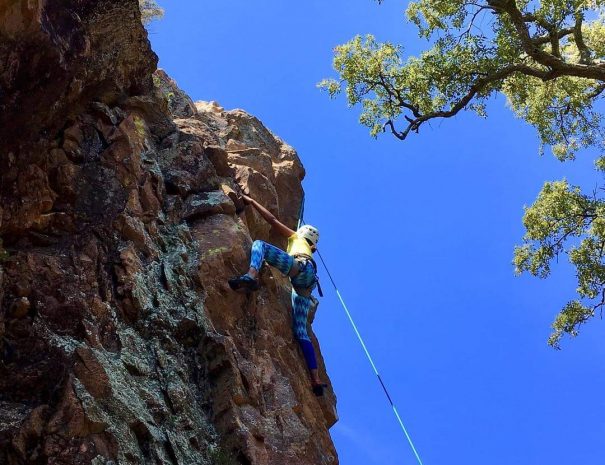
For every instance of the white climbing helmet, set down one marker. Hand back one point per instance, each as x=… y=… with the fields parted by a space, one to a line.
x=310 y=233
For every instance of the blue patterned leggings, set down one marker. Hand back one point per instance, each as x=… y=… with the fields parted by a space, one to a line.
x=305 y=279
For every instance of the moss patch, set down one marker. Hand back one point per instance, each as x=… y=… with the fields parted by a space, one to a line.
x=3 y=253
x=219 y=456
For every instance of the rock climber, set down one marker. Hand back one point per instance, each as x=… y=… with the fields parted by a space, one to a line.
x=298 y=264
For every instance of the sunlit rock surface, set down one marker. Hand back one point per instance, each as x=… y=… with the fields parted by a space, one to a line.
x=120 y=341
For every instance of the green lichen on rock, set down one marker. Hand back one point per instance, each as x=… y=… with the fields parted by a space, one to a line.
x=140 y=126
x=123 y=256
x=219 y=456
x=3 y=253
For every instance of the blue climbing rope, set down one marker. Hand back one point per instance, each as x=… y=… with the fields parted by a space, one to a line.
x=361 y=341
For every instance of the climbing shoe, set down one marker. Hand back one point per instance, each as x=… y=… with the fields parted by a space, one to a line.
x=243 y=283
x=318 y=389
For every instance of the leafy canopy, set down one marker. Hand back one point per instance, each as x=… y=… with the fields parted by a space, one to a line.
x=150 y=10
x=548 y=58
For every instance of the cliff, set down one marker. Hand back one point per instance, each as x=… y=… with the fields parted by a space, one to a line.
x=120 y=341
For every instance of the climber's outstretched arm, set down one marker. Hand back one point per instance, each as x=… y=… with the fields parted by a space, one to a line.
x=269 y=217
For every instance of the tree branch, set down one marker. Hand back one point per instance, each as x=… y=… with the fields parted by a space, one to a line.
x=535 y=60
x=529 y=45
x=396 y=95
x=480 y=84
x=579 y=39
x=558 y=35
x=472 y=22
x=597 y=91
x=394 y=131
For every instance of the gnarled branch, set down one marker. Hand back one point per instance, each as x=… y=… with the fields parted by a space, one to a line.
x=479 y=85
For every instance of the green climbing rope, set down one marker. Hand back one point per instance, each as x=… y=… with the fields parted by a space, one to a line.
x=361 y=341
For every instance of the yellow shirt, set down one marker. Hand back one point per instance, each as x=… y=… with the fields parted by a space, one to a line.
x=298 y=245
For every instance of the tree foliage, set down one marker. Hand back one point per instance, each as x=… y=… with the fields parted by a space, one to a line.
x=548 y=58
x=150 y=10
x=564 y=220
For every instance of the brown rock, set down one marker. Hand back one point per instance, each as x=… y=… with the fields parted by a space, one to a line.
x=208 y=203
x=180 y=104
x=91 y=373
x=218 y=156
x=120 y=205
x=20 y=307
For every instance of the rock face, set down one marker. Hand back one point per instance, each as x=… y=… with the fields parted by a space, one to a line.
x=120 y=341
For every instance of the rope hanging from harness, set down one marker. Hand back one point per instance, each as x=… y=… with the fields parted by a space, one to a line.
x=361 y=341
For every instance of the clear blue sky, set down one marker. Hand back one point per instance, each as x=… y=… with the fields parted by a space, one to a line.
x=419 y=236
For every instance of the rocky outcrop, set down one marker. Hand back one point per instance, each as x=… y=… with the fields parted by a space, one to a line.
x=120 y=217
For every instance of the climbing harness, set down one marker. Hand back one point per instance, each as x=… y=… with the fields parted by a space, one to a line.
x=363 y=345
x=301 y=212
x=301 y=260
